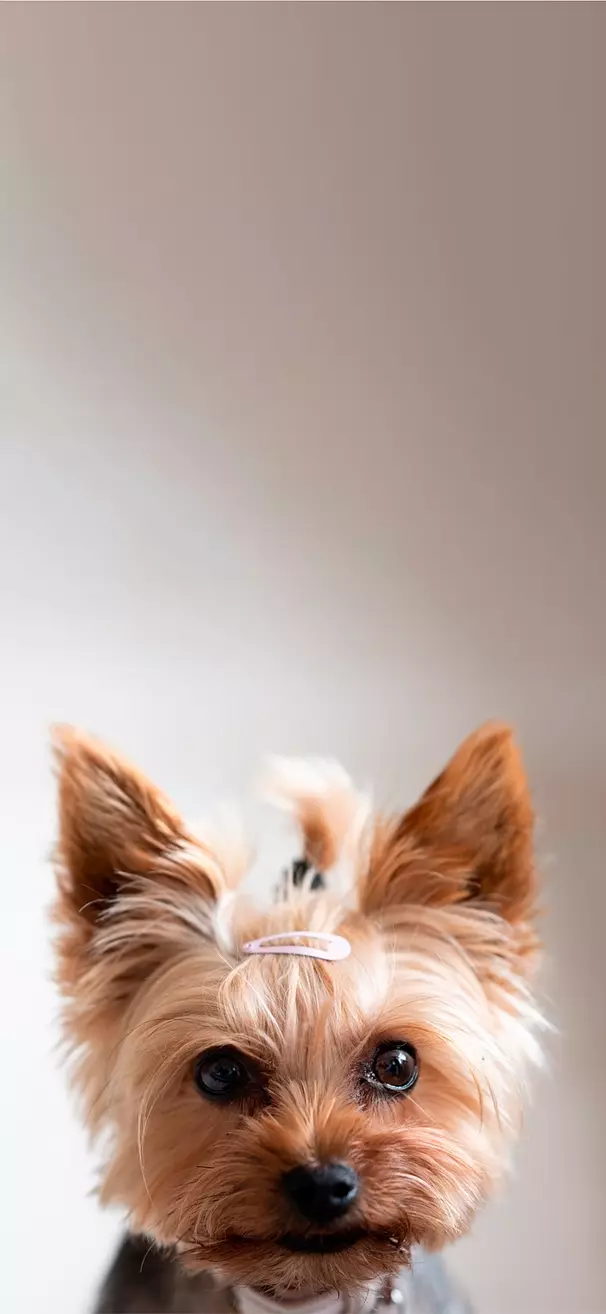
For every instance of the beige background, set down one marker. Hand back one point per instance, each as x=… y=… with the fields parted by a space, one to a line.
x=302 y=407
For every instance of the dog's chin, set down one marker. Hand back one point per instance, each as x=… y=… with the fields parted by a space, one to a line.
x=315 y=1262
x=322 y=1243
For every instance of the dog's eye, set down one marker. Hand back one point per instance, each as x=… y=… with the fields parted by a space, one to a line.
x=395 y=1067
x=221 y=1074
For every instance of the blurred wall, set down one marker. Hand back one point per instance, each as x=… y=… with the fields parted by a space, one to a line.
x=302 y=449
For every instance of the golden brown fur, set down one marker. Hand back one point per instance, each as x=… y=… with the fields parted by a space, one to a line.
x=439 y=916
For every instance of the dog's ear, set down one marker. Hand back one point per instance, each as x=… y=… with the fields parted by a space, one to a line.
x=137 y=890
x=469 y=838
x=136 y=885
x=115 y=828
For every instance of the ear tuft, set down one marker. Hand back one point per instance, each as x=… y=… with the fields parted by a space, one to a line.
x=470 y=836
x=112 y=823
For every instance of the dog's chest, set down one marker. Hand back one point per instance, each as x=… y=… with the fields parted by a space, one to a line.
x=330 y=1302
x=141 y=1280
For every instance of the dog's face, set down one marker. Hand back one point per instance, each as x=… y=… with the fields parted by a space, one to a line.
x=291 y=1121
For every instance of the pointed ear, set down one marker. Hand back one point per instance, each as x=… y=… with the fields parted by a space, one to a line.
x=469 y=838
x=116 y=827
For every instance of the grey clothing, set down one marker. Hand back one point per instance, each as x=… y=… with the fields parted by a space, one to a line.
x=148 y=1281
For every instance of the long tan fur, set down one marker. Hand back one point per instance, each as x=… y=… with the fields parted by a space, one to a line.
x=150 y=961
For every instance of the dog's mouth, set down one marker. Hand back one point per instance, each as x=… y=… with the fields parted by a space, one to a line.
x=287 y=1262
x=322 y=1243
x=299 y=1243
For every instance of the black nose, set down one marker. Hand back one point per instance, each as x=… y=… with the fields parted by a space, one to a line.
x=322 y=1192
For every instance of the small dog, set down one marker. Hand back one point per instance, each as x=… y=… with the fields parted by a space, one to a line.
x=293 y=1099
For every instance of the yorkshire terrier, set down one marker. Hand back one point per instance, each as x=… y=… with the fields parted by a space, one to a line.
x=294 y=1103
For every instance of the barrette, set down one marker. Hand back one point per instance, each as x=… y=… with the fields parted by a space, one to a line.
x=331 y=948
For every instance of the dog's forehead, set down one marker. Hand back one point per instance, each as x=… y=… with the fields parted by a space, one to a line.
x=292 y=1009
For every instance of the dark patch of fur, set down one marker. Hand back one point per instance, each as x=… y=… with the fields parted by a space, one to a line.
x=150 y=1281
x=145 y=1280
x=295 y=876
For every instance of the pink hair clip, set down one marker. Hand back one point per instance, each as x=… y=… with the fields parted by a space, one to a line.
x=289 y=942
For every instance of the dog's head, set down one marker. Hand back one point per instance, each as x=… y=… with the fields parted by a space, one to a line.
x=290 y=1120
